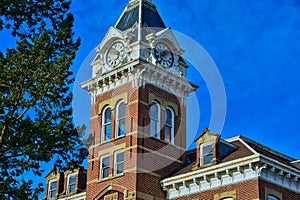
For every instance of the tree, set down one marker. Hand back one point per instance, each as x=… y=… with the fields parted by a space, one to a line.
x=35 y=99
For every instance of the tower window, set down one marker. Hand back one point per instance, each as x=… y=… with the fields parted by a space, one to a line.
x=154 y=120
x=120 y=120
x=118 y=162
x=206 y=154
x=169 y=126
x=106 y=124
x=271 y=197
x=71 y=183
x=104 y=166
x=52 y=189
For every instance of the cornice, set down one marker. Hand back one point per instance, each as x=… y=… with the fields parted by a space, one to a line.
x=233 y=172
x=139 y=73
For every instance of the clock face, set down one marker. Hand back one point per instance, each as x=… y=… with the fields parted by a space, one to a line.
x=163 y=55
x=115 y=54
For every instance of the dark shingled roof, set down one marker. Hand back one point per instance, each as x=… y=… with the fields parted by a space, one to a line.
x=150 y=16
x=297 y=163
x=191 y=161
x=243 y=150
x=270 y=153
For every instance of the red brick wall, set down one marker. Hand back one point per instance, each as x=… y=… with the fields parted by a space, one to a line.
x=127 y=180
x=137 y=119
x=286 y=194
x=247 y=190
x=81 y=180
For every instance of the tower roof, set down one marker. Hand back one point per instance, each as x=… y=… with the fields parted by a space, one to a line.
x=139 y=14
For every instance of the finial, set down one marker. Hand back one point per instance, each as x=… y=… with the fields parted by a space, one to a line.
x=130 y=1
x=205 y=130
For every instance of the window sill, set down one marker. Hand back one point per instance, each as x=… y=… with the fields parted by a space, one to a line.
x=111 y=140
x=110 y=177
x=104 y=142
x=104 y=179
x=122 y=136
x=163 y=141
x=66 y=194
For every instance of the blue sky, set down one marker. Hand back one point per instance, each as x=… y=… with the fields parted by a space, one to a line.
x=255 y=45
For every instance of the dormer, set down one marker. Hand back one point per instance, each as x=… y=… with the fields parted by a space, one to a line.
x=74 y=181
x=206 y=145
x=211 y=149
x=54 y=184
x=65 y=184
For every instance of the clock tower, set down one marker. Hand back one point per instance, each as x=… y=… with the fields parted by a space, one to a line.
x=138 y=93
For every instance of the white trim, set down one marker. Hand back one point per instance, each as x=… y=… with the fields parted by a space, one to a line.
x=51 y=181
x=212 y=169
x=246 y=140
x=103 y=125
x=233 y=139
x=239 y=138
x=101 y=169
x=139 y=73
x=115 y=161
x=68 y=182
x=80 y=196
x=140 y=20
x=279 y=165
x=121 y=15
x=117 y=119
x=232 y=172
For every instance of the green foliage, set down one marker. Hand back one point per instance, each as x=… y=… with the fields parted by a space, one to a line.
x=35 y=100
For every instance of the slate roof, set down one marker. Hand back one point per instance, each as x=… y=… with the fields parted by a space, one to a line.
x=245 y=147
x=149 y=18
x=270 y=153
x=140 y=17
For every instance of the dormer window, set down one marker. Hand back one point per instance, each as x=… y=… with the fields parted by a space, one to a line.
x=52 y=189
x=206 y=154
x=71 y=183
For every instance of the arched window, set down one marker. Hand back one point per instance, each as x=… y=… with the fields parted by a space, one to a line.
x=271 y=197
x=120 y=119
x=106 y=124
x=227 y=198
x=169 y=126
x=154 y=120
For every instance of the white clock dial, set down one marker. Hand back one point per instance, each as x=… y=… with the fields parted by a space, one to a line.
x=115 y=54
x=163 y=55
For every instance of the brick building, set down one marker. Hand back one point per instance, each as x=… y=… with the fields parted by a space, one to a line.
x=138 y=93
